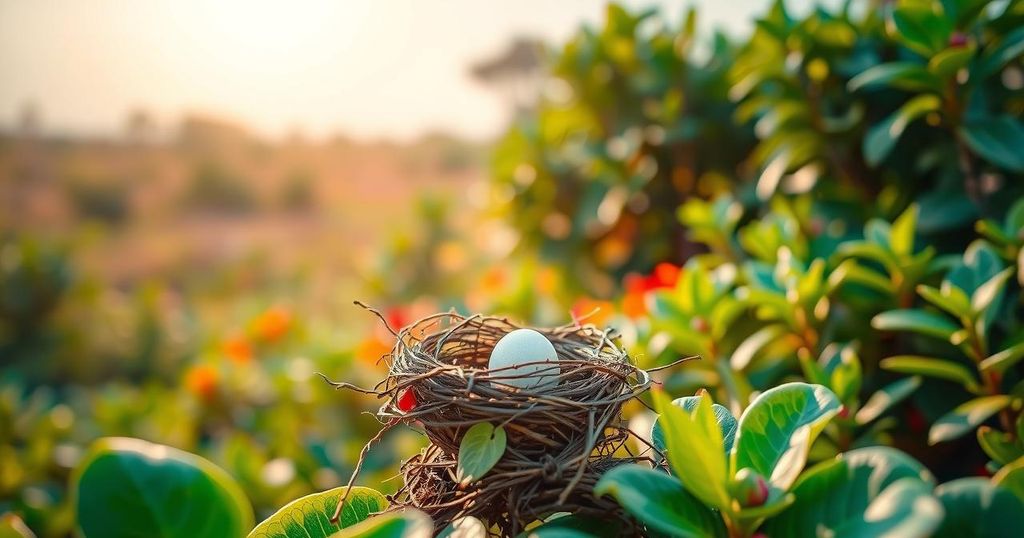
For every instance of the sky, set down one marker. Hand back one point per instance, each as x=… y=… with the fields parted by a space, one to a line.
x=367 y=68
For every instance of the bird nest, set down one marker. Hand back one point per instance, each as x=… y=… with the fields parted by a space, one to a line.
x=560 y=436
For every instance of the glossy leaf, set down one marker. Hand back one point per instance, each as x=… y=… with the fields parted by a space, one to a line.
x=11 y=526
x=966 y=417
x=310 y=516
x=947 y=62
x=481 y=447
x=145 y=485
x=881 y=138
x=574 y=526
x=776 y=431
x=1000 y=446
x=902 y=75
x=408 y=523
x=977 y=507
x=920 y=28
x=988 y=292
x=695 y=453
x=726 y=422
x=950 y=298
x=999 y=140
x=867 y=492
x=887 y=397
x=930 y=367
x=1002 y=360
x=917 y=321
x=1011 y=478
x=1010 y=48
x=660 y=501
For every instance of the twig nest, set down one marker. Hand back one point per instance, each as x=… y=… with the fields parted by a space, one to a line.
x=545 y=406
x=556 y=394
x=521 y=354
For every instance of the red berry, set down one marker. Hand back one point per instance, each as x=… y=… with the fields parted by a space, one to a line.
x=844 y=412
x=958 y=39
x=750 y=488
x=406 y=400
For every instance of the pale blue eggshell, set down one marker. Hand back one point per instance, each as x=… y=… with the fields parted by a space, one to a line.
x=523 y=346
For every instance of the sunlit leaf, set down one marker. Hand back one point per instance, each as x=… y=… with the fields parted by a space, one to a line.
x=142 y=483
x=931 y=367
x=918 y=321
x=877 y=491
x=408 y=523
x=481 y=447
x=660 y=501
x=310 y=516
x=976 y=507
x=966 y=417
x=694 y=444
x=887 y=397
x=776 y=431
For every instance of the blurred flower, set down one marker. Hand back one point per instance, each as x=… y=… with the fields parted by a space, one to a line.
x=371 y=349
x=237 y=349
x=493 y=280
x=202 y=380
x=273 y=324
x=397 y=317
x=587 y=310
x=634 y=302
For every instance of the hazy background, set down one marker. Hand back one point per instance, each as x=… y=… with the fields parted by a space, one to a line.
x=370 y=69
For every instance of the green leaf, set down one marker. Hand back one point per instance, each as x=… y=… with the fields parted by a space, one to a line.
x=930 y=367
x=950 y=298
x=966 y=417
x=129 y=487
x=999 y=446
x=920 y=28
x=310 y=516
x=573 y=526
x=886 y=397
x=1000 y=361
x=695 y=453
x=917 y=321
x=776 y=431
x=481 y=448
x=946 y=63
x=726 y=422
x=747 y=349
x=867 y=492
x=1009 y=49
x=987 y=293
x=11 y=526
x=850 y=271
x=1011 y=478
x=999 y=140
x=408 y=523
x=976 y=507
x=660 y=501
x=901 y=235
x=903 y=75
x=882 y=137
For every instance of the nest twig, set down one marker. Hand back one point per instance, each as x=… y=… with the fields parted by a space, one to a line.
x=560 y=438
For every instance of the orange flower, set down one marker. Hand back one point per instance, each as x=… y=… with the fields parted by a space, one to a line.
x=273 y=324
x=493 y=280
x=202 y=380
x=634 y=305
x=371 y=349
x=596 y=312
x=237 y=349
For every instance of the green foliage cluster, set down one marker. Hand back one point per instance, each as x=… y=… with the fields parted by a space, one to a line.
x=869 y=108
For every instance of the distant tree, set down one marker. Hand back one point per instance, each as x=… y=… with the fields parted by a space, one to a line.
x=517 y=72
